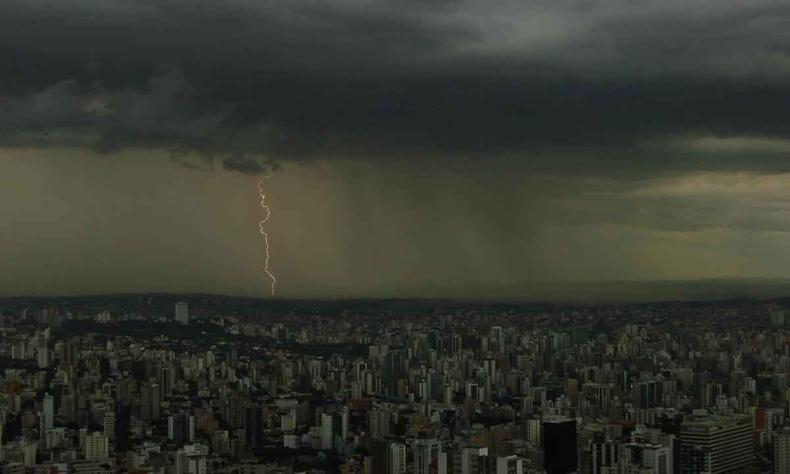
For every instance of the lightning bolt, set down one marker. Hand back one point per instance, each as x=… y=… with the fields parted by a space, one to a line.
x=262 y=230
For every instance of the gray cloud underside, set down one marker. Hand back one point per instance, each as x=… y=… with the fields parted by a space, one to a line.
x=577 y=86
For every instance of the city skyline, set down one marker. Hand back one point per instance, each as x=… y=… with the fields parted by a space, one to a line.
x=159 y=385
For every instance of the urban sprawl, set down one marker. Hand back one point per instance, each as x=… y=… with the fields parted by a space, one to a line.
x=192 y=385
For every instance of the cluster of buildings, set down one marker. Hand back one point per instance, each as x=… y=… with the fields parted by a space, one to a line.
x=493 y=389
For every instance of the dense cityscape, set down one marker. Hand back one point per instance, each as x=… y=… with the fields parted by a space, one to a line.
x=200 y=384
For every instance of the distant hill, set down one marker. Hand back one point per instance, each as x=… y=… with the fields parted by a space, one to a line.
x=535 y=293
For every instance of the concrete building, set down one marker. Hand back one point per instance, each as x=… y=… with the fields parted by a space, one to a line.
x=191 y=459
x=181 y=428
x=327 y=431
x=48 y=412
x=715 y=444
x=640 y=458
x=97 y=447
x=388 y=457
x=777 y=318
x=782 y=451
x=428 y=457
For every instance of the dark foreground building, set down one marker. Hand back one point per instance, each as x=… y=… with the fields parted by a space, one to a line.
x=559 y=446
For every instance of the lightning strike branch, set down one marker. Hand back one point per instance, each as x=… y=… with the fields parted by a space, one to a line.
x=263 y=232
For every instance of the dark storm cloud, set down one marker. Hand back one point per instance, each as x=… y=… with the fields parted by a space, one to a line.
x=249 y=165
x=165 y=114
x=579 y=86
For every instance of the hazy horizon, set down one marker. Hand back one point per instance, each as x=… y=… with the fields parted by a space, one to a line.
x=612 y=292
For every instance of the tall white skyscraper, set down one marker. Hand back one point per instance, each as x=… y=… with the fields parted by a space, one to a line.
x=397 y=458
x=327 y=431
x=48 y=412
x=182 y=312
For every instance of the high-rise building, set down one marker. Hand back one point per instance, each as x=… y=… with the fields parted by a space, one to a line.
x=428 y=457
x=396 y=458
x=715 y=444
x=395 y=363
x=182 y=312
x=181 y=428
x=647 y=395
x=388 y=458
x=646 y=457
x=534 y=431
x=253 y=426
x=109 y=423
x=604 y=454
x=345 y=420
x=782 y=451
x=19 y=350
x=167 y=379
x=559 y=446
x=777 y=318
x=327 y=431
x=498 y=338
x=471 y=459
x=154 y=401
x=191 y=459
x=67 y=410
x=48 y=412
x=500 y=465
x=97 y=447
x=378 y=454
x=29 y=453
x=68 y=354
x=42 y=356
x=235 y=414
x=288 y=421
x=456 y=344
x=379 y=423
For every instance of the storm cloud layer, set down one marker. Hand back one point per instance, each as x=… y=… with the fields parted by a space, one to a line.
x=582 y=84
x=450 y=147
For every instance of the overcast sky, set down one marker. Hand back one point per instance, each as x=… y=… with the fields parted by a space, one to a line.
x=417 y=148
